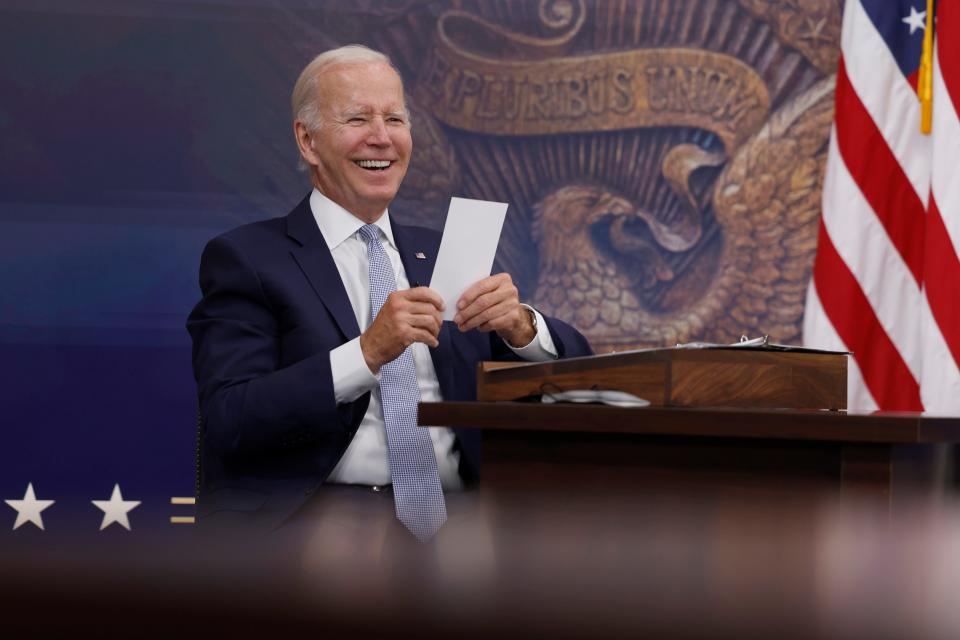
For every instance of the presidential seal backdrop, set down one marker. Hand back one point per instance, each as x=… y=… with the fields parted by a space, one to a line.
x=663 y=159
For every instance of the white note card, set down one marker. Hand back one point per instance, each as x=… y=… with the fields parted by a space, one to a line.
x=467 y=249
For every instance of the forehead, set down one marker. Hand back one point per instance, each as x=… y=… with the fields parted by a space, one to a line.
x=360 y=86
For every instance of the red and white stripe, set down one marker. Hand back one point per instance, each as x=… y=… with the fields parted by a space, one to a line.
x=872 y=278
x=940 y=379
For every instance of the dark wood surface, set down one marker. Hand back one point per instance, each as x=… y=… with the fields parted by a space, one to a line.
x=777 y=424
x=731 y=377
x=887 y=457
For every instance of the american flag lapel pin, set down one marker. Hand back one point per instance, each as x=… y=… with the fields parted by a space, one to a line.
x=420 y=255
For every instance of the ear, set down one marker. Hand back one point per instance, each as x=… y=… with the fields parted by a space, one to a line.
x=304 y=143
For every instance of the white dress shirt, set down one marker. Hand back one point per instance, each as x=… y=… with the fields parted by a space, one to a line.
x=365 y=460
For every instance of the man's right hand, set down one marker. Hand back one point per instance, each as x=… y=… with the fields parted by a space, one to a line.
x=412 y=315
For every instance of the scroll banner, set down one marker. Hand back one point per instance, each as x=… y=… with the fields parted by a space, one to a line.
x=541 y=95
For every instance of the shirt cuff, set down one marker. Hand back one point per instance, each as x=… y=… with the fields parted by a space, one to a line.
x=351 y=376
x=541 y=348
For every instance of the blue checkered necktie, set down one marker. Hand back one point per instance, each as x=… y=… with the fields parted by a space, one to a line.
x=417 y=495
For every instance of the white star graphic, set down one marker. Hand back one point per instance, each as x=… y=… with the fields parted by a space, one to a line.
x=28 y=509
x=916 y=20
x=115 y=509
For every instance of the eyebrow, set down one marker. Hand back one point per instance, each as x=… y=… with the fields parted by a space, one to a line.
x=349 y=113
x=366 y=111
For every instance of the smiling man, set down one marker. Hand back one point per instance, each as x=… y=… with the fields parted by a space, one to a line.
x=315 y=337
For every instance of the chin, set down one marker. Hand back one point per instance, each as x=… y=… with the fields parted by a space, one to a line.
x=380 y=195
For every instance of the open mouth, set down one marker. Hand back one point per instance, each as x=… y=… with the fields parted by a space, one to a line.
x=373 y=165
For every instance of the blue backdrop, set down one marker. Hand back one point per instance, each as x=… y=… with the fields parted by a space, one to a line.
x=117 y=124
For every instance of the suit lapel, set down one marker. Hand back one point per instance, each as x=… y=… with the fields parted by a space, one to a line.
x=318 y=266
x=410 y=242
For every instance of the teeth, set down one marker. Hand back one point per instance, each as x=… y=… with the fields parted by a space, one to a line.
x=373 y=164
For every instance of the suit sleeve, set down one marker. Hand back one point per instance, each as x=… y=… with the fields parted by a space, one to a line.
x=569 y=342
x=248 y=401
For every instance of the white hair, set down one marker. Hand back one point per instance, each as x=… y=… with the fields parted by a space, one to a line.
x=306 y=105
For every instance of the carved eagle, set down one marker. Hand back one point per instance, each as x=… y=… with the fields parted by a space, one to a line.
x=595 y=267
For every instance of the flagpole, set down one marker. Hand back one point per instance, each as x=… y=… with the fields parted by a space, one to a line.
x=925 y=83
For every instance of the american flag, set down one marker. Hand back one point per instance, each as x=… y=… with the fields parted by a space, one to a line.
x=886 y=281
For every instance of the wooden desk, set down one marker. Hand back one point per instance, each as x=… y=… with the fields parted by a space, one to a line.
x=533 y=446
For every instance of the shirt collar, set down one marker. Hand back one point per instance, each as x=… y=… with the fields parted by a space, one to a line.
x=337 y=224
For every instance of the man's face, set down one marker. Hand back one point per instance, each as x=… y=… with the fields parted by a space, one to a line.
x=362 y=149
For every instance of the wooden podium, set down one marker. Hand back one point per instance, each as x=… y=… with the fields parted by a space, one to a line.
x=721 y=421
x=684 y=377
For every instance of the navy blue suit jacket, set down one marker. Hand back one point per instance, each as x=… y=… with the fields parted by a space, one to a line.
x=273 y=308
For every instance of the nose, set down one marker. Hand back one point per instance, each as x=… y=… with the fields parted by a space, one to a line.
x=377 y=134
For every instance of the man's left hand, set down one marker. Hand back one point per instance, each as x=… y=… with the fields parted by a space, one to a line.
x=493 y=304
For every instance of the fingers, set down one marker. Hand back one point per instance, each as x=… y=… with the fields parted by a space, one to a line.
x=423 y=295
x=423 y=309
x=412 y=315
x=415 y=310
x=485 y=309
x=481 y=287
x=424 y=336
x=486 y=301
x=418 y=301
x=499 y=317
x=424 y=325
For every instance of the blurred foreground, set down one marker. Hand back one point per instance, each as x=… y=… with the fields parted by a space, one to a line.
x=519 y=564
